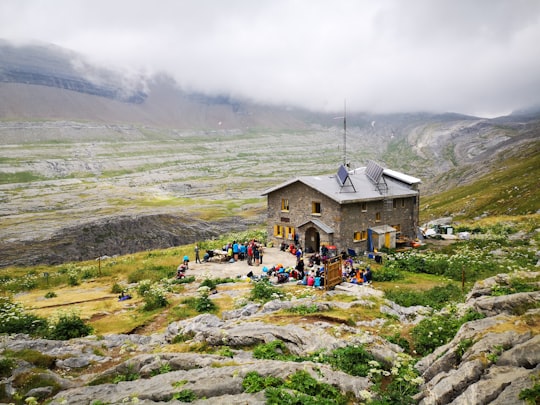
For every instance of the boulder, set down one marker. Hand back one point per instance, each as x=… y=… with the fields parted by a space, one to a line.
x=443 y=388
x=513 y=304
x=488 y=388
x=523 y=354
x=407 y=315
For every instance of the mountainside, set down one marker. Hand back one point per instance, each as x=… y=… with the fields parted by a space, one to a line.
x=47 y=82
x=82 y=144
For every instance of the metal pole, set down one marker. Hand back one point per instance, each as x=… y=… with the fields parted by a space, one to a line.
x=345 y=133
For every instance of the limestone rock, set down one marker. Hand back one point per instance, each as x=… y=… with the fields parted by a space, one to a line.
x=525 y=354
x=210 y=382
x=509 y=304
x=490 y=386
x=412 y=315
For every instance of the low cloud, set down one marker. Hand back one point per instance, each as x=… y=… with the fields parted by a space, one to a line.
x=475 y=57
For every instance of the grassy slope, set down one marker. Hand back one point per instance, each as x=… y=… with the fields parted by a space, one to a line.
x=509 y=192
x=512 y=188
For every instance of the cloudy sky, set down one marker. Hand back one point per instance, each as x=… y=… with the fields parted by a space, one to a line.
x=479 y=57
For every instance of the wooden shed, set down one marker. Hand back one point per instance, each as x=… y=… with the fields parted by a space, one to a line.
x=382 y=236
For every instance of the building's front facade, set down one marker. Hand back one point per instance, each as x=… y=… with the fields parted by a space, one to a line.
x=344 y=210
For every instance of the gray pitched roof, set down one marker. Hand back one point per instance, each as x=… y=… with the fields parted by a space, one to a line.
x=399 y=185
x=320 y=224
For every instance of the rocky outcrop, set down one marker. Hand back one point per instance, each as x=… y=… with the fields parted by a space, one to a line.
x=491 y=360
x=210 y=379
x=115 y=236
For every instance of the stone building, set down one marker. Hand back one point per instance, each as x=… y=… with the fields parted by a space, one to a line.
x=361 y=209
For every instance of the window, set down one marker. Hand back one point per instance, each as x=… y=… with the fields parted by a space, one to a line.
x=316 y=208
x=360 y=236
x=403 y=203
x=278 y=231
x=394 y=203
x=377 y=217
x=363 y=206
x=284 y=204
x=289 y=232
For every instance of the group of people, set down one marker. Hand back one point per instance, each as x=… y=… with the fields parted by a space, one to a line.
x=311 y=277
x=357 y=275
x=252 y=252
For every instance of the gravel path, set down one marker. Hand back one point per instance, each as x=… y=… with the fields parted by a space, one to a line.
x=272 y=256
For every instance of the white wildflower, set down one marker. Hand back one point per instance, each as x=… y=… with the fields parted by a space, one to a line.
x=365 y=394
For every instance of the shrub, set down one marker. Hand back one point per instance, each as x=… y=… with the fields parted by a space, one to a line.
x=181 y=338
x=203 y=303
x=531 y=395
x=387 y=274
x=274 y=350
x=433 y=332
x=73 y=278
x=154 y=297
x=184 y=396
x=438 y=330
x=129 y=375
x=116 y=288
x=164 y=368
x=143 y=287
x=69 y=326
x=16 y=320
x=226 y=351
x=398 y=383
x=399 y=340
x=298 y=388
x=50 y=294
x=264 y=291
x=352 y=360
x=254 y=382
x=303 y=382
x=6 y=366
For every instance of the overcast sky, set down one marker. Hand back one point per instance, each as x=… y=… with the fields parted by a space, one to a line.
x=480 y=57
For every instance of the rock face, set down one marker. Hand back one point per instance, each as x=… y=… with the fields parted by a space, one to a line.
x=115 y=236
x=491 y=360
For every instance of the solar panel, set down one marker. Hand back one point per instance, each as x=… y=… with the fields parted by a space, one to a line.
x=374 y=171
x=342 y=175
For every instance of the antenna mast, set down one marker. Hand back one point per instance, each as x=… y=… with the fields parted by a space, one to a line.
x=345 y=133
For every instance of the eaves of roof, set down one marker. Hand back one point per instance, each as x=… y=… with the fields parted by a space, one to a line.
x=327 y=229
x=364 y=189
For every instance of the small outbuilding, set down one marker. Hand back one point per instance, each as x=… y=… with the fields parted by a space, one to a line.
x=383 y=236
